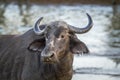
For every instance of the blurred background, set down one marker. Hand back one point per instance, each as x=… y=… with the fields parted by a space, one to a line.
x=103 y=40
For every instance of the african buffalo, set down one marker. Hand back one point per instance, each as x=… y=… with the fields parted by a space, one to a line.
x=42 y=53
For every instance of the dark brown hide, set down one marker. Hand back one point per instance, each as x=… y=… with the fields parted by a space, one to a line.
x=24 y=57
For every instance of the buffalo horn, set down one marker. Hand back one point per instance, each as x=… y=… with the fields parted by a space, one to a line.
x=82 y=30
x=37 y=29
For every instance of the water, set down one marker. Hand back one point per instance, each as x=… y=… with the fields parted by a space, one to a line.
x=103 y=40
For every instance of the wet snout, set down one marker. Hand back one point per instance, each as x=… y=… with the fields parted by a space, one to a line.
x=47 y=56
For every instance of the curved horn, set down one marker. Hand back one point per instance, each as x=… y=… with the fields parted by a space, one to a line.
x=36 y=29
x=85 y=29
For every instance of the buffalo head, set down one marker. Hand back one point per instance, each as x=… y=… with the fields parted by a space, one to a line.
x=58 y=40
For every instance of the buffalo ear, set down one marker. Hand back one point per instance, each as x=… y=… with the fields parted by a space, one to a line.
x=77 y=46
x=37 y=45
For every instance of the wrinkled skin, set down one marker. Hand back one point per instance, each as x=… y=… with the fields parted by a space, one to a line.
x=40 y=57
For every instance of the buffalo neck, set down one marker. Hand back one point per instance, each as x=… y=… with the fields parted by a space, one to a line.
x=64 y=67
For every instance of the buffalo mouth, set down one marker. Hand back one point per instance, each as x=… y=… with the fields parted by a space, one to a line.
x=48 y=60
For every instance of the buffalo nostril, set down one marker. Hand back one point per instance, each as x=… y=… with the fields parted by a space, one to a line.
x=52 y=55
